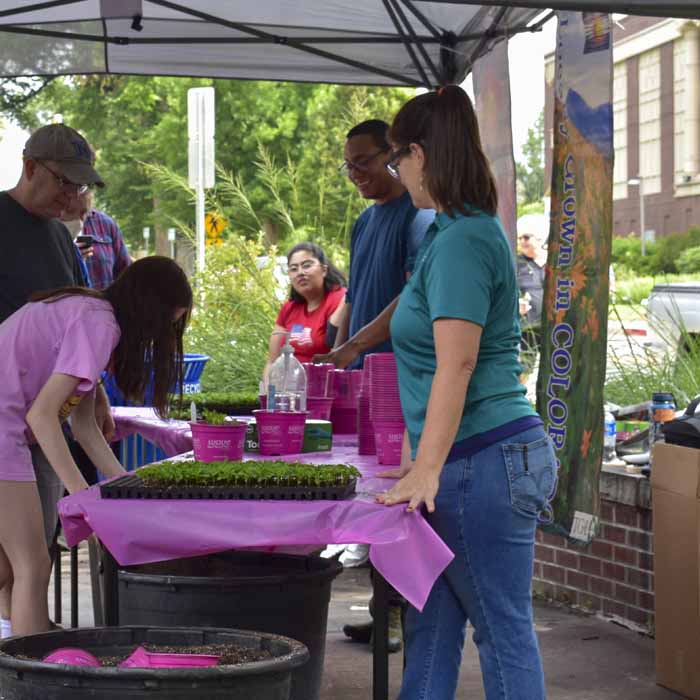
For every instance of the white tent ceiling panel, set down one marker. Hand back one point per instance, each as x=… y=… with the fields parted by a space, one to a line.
x=387 y=42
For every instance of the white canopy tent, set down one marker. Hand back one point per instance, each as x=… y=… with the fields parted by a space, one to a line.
x=380 y=42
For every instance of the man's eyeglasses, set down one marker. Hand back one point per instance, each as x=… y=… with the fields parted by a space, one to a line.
x=65 y=184
x=302 y=267
x=362 y=166
x=393 y=165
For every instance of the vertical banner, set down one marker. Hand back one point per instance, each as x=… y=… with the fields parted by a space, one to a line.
x=492 y=92
x=575 y=312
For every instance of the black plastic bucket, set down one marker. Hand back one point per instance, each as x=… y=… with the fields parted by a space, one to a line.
x=22 y=679
x=279 y=594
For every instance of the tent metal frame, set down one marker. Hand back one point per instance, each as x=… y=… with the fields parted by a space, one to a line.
x=430 y=74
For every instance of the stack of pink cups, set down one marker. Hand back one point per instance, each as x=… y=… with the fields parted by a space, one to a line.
x=385 y=407
x=343 y=386
x=318 y=403
x=365 y=429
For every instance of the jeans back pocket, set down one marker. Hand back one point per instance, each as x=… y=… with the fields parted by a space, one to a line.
x=532 y=473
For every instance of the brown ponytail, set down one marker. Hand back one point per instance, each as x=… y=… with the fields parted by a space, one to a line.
x=457 y=173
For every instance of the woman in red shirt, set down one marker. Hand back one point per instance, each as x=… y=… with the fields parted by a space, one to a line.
x=315 y=304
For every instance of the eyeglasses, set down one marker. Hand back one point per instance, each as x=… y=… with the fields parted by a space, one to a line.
x=393 y=165
x=302 y=267
x=64 y=184
x=362 y=166
x=524 y=237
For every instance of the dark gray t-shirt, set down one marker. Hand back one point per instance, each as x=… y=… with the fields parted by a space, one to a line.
x=35 y=255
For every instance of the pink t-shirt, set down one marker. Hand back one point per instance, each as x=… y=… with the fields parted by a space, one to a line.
x=74 y=335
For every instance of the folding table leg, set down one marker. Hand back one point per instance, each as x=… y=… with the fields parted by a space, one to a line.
x=96 y=579
x=73 y=587
x=380 y=651
x=57 y=592
x=111 y=589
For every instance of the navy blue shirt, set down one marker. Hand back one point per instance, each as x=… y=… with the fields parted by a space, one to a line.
x=385 y=239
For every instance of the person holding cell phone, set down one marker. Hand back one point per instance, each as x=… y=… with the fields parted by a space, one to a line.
x=99 y=240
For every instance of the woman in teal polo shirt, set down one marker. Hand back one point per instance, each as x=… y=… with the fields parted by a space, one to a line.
x=480 y=462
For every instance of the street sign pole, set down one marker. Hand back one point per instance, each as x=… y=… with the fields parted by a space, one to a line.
x=200 y=126
x=200 y=187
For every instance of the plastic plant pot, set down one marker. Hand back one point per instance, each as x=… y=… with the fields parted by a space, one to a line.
x=213 y=443
x=280 y=432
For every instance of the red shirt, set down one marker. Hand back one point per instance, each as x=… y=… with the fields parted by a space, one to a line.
x=309 y=328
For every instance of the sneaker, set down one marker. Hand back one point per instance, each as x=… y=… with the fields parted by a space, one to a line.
x=364 y=632
x=359 y=633
x=355 y=555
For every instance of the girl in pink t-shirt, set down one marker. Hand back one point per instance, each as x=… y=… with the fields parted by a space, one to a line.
x=53 y=352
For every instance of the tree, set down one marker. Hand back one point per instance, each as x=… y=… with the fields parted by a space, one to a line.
x=530 y=175
x=135 y=121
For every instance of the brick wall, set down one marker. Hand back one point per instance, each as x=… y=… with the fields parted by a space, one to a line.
x=614 y=574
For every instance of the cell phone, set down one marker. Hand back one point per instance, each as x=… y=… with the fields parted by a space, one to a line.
x=84 y=241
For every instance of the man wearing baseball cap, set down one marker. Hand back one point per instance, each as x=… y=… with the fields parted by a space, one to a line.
x=37 y=253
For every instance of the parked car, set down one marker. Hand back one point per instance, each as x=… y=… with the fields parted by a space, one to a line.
x=673 y=315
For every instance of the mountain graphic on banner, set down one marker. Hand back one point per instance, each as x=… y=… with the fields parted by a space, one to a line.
x=595 y=124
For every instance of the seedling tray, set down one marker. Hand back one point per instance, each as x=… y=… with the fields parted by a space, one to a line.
x=131 y=486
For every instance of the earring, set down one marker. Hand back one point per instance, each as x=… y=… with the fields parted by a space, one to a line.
x=421 y=183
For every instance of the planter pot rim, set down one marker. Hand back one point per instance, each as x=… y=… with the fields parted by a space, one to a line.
x=297 y=656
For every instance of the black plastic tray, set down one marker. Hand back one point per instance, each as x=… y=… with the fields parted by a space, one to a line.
x=131 y=486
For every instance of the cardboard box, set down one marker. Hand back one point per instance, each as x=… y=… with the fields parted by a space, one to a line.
x=318 y=436
x=675 y=482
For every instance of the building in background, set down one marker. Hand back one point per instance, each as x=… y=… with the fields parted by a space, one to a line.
x=656 y=106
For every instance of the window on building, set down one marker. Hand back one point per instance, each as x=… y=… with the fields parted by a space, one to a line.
x=620 y=130
x=650 y=120
x=679 y=61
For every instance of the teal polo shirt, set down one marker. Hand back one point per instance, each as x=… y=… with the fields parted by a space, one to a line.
x=464 y=270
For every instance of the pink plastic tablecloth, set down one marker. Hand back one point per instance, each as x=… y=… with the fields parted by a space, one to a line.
x=404 y=548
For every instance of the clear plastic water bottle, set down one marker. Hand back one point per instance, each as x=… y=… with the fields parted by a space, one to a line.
x=609 y=438
x=286 y=386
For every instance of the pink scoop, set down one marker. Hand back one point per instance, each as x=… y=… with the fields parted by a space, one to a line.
x=149 y=659
x=72 y=656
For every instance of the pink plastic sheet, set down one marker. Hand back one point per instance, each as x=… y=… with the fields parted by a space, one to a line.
x=404 y=548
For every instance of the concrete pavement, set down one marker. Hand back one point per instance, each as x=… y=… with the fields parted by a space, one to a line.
x=585 y=658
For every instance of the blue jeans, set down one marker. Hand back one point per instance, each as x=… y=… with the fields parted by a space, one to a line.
x=486 y=512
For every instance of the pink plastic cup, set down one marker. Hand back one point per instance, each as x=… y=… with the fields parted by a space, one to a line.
x=280 y=432
x=388 y=438
x=319 y=407
x=218 y=443
x=341 y=386
x=316 y=377
x=72 y=656
x=344 y=420
x=149 y=659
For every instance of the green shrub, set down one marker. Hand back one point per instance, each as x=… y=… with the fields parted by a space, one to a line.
x=626 y=254
x=234 y=313
x=633 y=291
x=689 y=260
x=668 y=250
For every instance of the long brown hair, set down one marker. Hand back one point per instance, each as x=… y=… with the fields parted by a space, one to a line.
x=334 y=277
x=145 y=298
x=457 y=173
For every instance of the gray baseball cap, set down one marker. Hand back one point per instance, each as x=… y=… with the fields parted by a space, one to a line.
x=66 y=147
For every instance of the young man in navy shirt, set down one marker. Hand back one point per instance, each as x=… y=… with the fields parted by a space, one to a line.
x=385 y=240
x=385 y=237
